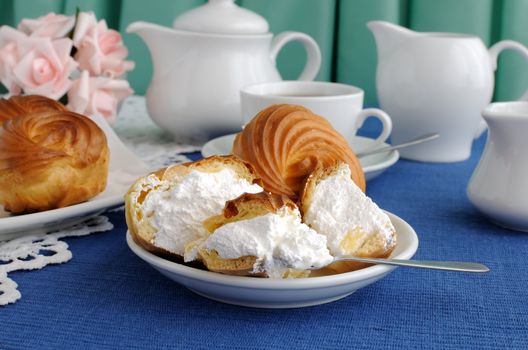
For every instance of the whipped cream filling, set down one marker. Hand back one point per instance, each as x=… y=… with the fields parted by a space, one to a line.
x=278 y=240
x=339 y=208
x=177 y=210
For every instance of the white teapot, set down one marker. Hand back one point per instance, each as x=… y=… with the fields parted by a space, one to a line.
x=201 y=64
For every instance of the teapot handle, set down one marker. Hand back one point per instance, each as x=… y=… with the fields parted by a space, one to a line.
x=313 y=63
x=494 y=52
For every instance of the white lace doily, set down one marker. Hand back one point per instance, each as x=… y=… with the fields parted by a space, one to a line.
x=32 y=252
x=36 y=251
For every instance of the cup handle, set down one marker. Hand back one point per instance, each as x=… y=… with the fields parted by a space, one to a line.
x=386 y=122
x=494 y=53
x=313 y=63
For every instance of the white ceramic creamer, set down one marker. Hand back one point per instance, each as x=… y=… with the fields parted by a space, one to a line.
x=499 y=184
x=435 y=83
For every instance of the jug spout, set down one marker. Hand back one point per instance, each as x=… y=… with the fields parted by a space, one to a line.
x=161 y=42
x=508 y=117
x=388 y=35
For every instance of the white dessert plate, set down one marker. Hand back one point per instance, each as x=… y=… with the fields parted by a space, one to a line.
x=279 y=293
x=372 y=165
x=124 y=169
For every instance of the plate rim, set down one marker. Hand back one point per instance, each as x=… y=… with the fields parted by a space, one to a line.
x=389 y=161
x=11 y=224
x=276 y=284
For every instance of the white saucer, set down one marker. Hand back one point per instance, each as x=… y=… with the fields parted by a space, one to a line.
x=372 y=165
x=272 y=293
x=124 y=169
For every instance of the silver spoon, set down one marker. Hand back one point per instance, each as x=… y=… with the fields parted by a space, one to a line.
x=460 y=266
x=419 y=140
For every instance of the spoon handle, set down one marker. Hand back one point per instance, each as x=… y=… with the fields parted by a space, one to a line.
x=419 y=140
x=460 y=266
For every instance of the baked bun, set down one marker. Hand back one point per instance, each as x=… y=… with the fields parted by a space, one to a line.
x=334 y=206
x=49 y=159
x=285 y=143
x=262 y=235
x=19 y=105
x=165 y=209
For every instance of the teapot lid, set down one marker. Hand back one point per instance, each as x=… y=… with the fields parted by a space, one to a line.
x=221 y=17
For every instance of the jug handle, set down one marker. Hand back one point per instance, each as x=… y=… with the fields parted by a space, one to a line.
x=494 y=53
x=313 y=62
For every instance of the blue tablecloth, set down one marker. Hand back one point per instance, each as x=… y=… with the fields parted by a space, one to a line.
x=106 y=297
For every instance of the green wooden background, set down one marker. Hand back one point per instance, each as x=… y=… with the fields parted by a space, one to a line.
x=348 y=48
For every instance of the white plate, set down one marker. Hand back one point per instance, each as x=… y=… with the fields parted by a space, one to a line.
x=124 y=169
x=271 y=293
x=372 y=165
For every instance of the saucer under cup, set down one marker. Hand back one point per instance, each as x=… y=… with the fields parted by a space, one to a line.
x=372 y=165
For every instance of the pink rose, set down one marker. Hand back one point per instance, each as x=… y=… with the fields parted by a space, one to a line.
x=100 y=50
x=51 y=26
x=8 y=59
x=44 y=66
x=98 y=95
x=86 y=23
x=9 y=56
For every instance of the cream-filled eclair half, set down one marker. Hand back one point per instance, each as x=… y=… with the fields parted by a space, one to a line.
x=165 y=209
x=334 y=206
x=262 y=235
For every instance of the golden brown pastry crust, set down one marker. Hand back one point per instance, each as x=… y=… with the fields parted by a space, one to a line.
x=248 y=206
x=18 y=105
x=285 y=143
x=50 y=159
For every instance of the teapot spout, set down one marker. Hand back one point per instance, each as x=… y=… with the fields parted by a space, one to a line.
x=388 y=35
x=161 y=42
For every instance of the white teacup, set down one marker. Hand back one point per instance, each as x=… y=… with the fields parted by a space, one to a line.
x=340 y=104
